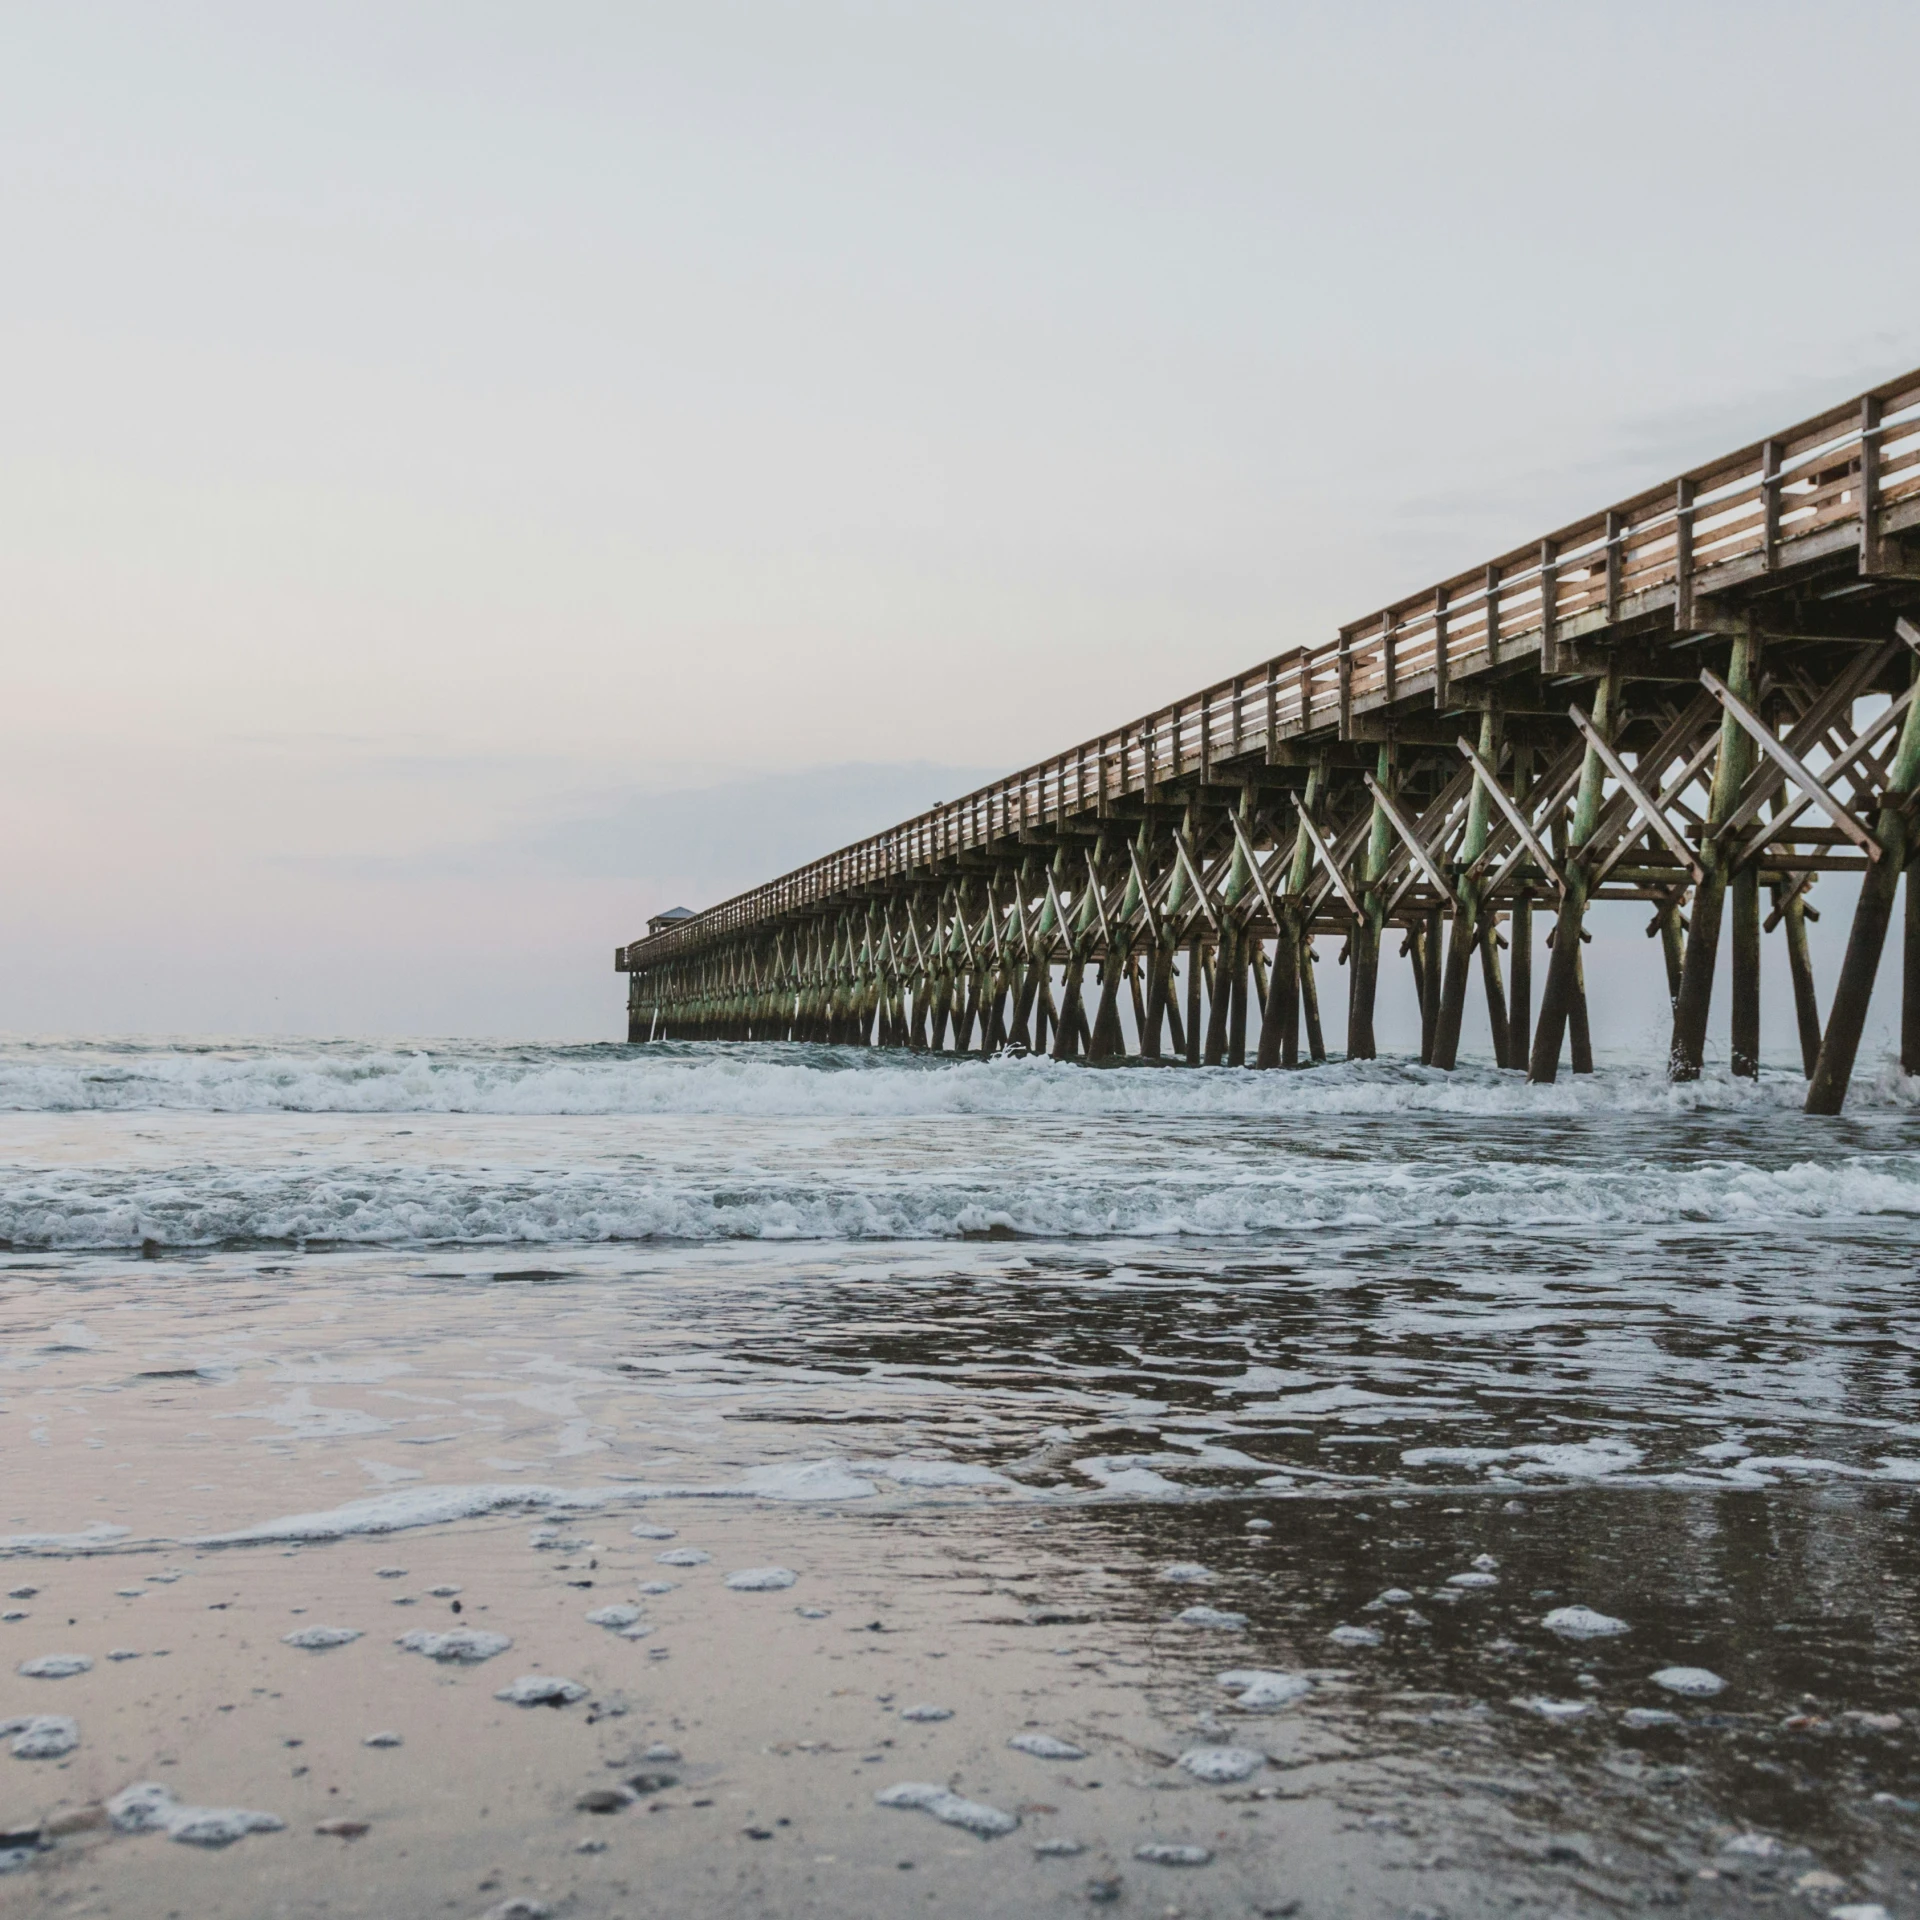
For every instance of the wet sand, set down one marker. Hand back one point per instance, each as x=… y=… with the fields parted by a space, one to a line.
x=740 y=1746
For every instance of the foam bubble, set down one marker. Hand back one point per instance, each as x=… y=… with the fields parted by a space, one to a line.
x=1556 y=1710
x=1583 y=1623
x=1043 y=1746
x=1217 y=1766
x=541 y=1690
x=1692 y=1681
x=1265 y=1690
x=147 y=1807
x=317 y=1639
x=56 y=1666
x=974 y=1815
x=41 y=1736
x=761 y=1579
x=616 y=1616
x=462 y=1646
x=1215 y=1619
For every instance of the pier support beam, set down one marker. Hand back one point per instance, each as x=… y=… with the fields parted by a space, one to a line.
x=1564 y=990
x=1735 y=762
x=1847 y=1021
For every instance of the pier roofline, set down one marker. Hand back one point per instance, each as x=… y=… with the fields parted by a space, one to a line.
x=1657 y=703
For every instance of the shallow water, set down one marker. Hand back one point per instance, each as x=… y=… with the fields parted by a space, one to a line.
x=1651 y=1352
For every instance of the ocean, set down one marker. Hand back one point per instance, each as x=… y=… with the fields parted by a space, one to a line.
x=1418 y=1375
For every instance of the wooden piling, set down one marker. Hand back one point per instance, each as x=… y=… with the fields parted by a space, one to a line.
x=1847 y=1020
x=1735 y=761
x=1563 y=988
x=1806 y=1002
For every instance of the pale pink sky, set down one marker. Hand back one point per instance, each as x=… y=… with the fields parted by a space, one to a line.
x=437 y=438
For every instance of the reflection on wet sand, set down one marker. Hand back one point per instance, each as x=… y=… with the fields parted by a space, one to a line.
x=1034 y=1492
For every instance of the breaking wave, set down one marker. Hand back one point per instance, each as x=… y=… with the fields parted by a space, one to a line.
x=372 y=1204
x=784 y=1082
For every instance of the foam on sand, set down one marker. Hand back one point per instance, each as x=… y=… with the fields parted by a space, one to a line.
x=1694 y=1682
x=318 y=1639
x=1043 y=1746
x=147 y=1807
x=41 y=1736
x=974 y=1815
x=761 y=1579
x=541 y=1690
x=56 y=1666
x=1211 y=1619
x=1218 y=1766
x=100 y=1534
x=1265 y=1689
x=459 y=1646
x=616 y=1617
x=1582 y=1623
x=1557 y=1711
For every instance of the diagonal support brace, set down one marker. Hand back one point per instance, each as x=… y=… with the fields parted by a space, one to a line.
x=1790 y=764
x=1643 y=802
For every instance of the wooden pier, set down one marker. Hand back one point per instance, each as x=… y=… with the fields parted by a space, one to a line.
x=1701 y=699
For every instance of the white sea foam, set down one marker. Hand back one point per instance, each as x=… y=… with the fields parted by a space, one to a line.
x=541 y=1690
x=56 y=1666
x=1211 y=1619
x=1693 y=1682
x=148 y=1807
x=458 y=1646
x=384 y=1203
x=319 y=1639
x=40 y=1736
x=467 y=1077
x=925 y=1797
x=1218 y=1766
x=1582 y=1623
x=1265 y=1689
x=708 y=1179
x=100 y=1534
x=761 y=1579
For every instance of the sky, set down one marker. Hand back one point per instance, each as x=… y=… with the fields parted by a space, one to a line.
x=473 y=476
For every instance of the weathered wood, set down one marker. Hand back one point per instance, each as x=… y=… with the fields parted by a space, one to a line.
x=1847 y=1019
x=1196 y=967
x=1310 y=1004
x=1429 y=977
x=1579 y=1033
x=1444 y=1048
x=1496 y=993
x=1563 y=985
x=1910 y=977
x=1691 y=1005
x=1806 y=1003
x=1744 y=1048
